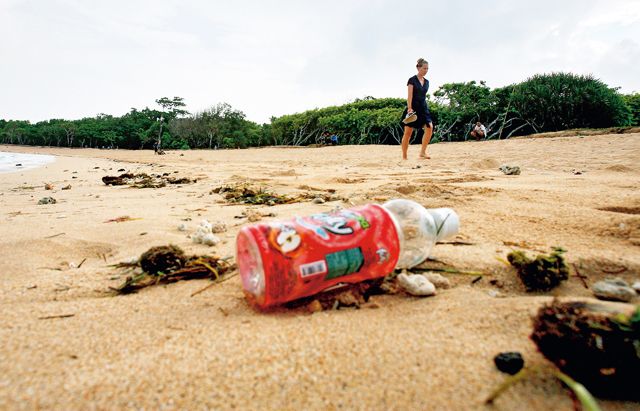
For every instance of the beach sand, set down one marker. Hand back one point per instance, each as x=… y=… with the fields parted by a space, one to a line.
x=161 y=348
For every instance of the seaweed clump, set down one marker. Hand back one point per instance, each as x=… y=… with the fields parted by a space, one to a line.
x=144 y=180
x=247 y=194
x=596 y=344
x=542 y=273
x=169 y=264
x=162 y=259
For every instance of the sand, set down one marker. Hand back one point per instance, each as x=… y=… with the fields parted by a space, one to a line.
x=161 y=348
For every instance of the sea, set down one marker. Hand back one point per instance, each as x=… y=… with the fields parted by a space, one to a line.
x=13 y=162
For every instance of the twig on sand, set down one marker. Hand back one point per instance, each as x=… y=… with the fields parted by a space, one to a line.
x=456 y=243
x=50 y=317
x=447 y=270
x=503 y=261
x=582 y=278
x=203 y=289
x=511 y=380
x=55 y=235
x=122 y=219
x=82 y=262
x=618 y=271
x=221 y=280
x=586 y=399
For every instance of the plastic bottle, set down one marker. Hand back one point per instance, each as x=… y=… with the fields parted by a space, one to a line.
x=421 y=229
x=286 y=260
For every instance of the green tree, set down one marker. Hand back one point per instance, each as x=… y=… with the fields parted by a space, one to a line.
x=633 y=102
x=220 y=126
x=16 y=132
x=171 y=109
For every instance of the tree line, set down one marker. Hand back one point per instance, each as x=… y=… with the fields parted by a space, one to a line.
x=542 y=103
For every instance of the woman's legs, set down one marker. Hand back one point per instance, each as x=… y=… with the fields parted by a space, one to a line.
x=405 y=141
x=428 y=132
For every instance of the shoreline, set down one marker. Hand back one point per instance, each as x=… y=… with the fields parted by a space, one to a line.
x=11 y=162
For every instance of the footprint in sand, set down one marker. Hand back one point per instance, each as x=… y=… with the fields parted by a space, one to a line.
x=619 y=168
x=622 y=209
x=486 y=164
x=406 y=189
x=285 y=173
x=341 y=180
x=469 y=178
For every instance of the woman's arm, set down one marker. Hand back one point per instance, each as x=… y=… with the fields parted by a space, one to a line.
x=409 y=97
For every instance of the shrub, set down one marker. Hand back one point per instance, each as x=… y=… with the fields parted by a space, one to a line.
x=560 y=101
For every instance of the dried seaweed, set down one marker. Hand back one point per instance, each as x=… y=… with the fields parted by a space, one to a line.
x=544 y=272
x=169 y=264
x=587 y=401
x=247 y=194
x=161 y=259
x=596 y=344
x=143 y=180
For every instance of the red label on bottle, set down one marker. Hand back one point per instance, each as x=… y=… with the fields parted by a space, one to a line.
x=306 y=255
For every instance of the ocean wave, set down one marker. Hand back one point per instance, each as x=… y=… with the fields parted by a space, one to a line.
x=12 y=162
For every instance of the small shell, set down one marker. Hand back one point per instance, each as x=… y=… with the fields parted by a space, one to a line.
x=210 y=239
x=416 y=284
x=205 y=226
x=218 y=227
x=440 y=281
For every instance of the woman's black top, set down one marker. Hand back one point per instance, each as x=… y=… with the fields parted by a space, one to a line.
x=419 y=100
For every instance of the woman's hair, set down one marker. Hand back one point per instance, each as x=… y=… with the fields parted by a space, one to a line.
x=421 y=62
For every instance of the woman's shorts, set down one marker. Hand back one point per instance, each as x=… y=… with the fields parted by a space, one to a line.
x=424 y=118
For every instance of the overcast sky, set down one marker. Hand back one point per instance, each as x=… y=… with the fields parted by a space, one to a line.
x=78 y=58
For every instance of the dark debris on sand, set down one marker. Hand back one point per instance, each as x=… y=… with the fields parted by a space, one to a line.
x=343 y=296
x=247 y=193
x=596 y=344
x=543 y=273
x=143 y=180
x=168 y=264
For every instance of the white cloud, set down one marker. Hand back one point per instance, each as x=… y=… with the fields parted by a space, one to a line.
x=72 y=58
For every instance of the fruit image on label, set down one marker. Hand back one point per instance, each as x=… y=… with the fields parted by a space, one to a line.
x=288 y=240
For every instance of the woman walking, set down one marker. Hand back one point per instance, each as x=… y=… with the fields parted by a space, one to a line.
x=416 y=115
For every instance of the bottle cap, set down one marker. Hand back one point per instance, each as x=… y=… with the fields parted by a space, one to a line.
x=447 y=222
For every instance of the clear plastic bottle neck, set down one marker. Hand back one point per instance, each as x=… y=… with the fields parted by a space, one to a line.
x=419 y=229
